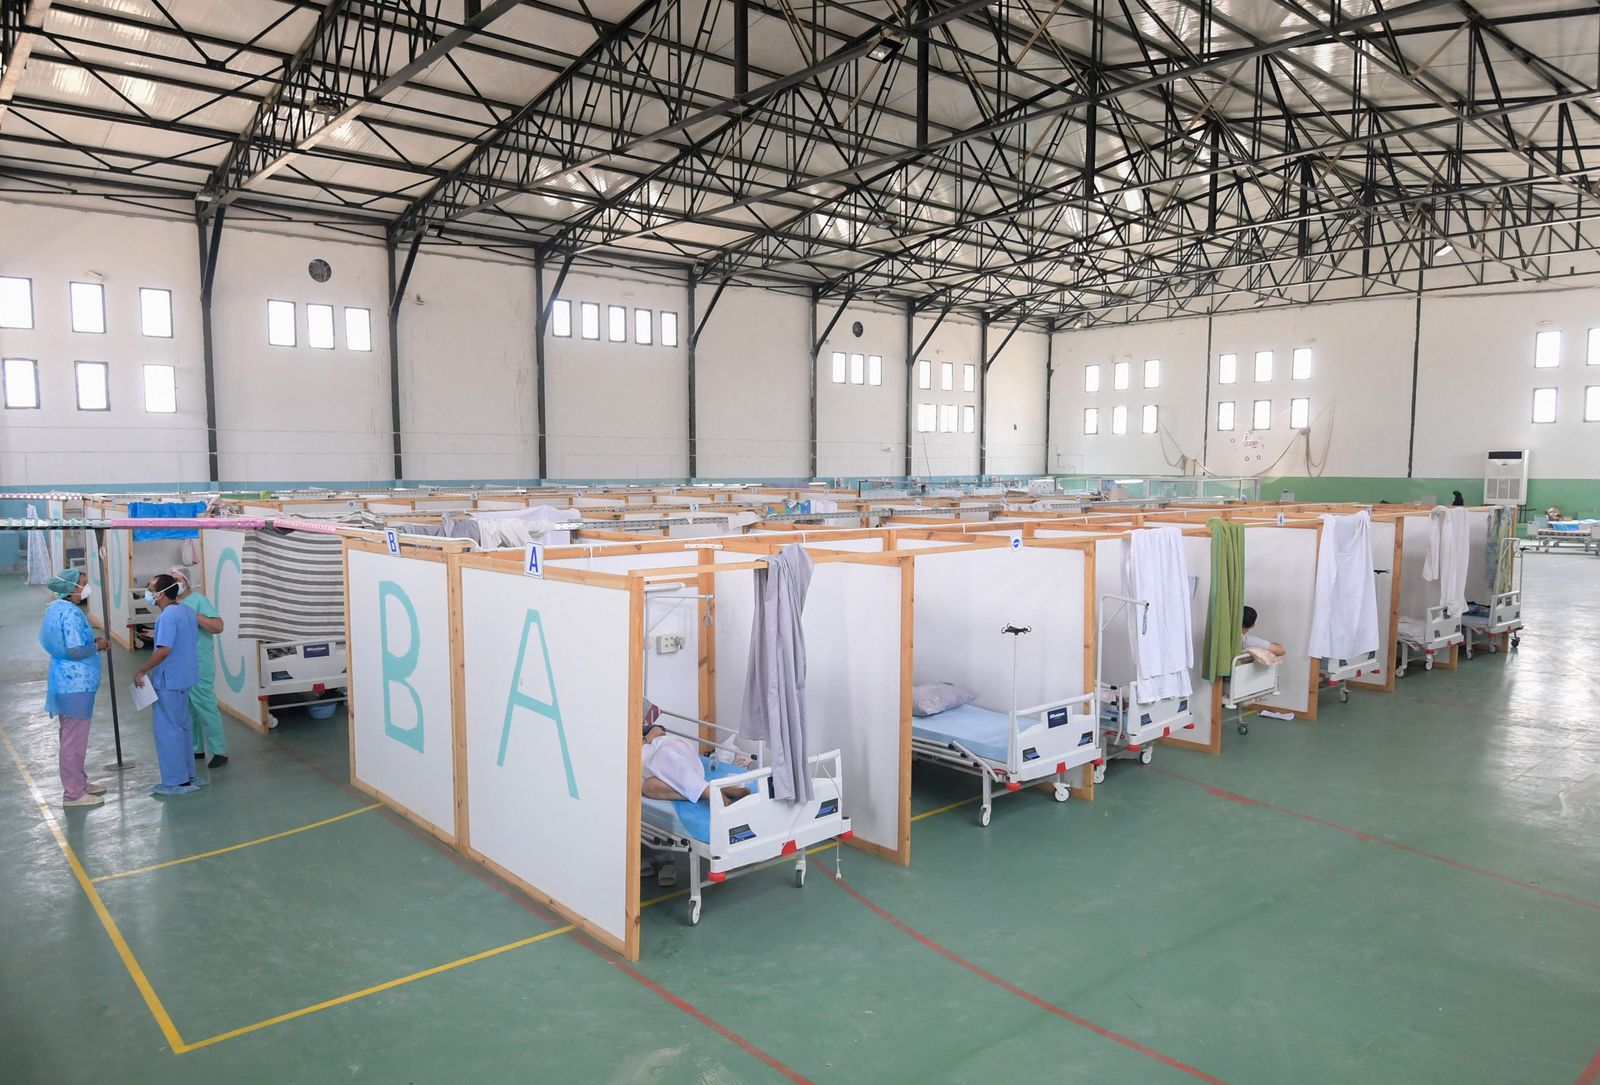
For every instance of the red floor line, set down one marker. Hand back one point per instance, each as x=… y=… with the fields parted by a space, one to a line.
x=1049 y=1007
x=1590 y=1073
x=604 y=954
x=1359 y=834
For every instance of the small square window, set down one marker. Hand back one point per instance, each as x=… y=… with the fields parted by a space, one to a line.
x=1544 y=405
x=924 y=374
x=1299 y=413
x=589 y=319
x=21 y=383
x=94 y=391
x=969 y=378
x=1262 y=415
x=357 y=329
x=1591 y=403
x=947 y=417
x=969 y=418
x=1148 y=423
x=88 y=308
x=874 y=369
x=1152 y=372
x=1263 y=366
x=947 y=376
x=1547 y=350
x=1594 y=346
x=16 y=302
x=1091 y=378
x=1225 y=415
x=280 y=323
x=858 y=369
x=1227 y=368
x=642 y=333
x=839 y=367
x=561 y=318
x=617 y=323
x=1301 y=368
x=155 y=314
x=160 y=389
x=319 y=327
x=669 y=328
x=1091 y=420
x=925 y=417
x=1121 y=375
x=1119 y=418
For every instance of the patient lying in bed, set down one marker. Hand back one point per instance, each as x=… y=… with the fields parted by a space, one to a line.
x=670 y=765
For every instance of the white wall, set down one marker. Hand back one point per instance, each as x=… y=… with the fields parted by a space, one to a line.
x=618 y=410
x=295 y=413
x=941 y=453
x=468 y=377
x=59 y=444
x=1493 y=340
x=752 y=370
x=468 y=402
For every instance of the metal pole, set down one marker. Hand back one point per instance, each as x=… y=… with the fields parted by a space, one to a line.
x=111 y=671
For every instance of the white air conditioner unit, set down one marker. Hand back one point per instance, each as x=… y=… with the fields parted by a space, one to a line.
x=1505 y=478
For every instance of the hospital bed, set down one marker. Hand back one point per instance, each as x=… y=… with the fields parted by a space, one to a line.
x=1130 y=724
x=1426 y=638
x=1550 y=535
x=1339 y=673
x=1248 y=682
x=1483 y=626
x=728 y=840
x=302 y=672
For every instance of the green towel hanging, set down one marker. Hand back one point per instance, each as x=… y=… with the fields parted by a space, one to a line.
x=1223 y=633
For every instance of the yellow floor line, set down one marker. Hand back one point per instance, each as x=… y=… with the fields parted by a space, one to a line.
x=234 y=847
x=129 y=961
x=376 y=989
x=944 y=809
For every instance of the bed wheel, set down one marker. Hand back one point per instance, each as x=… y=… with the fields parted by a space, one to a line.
x=1063 y=793
x=1344 y=696
x=694 y=911
x=1428 y=666
x=799 y=877
x=1146 y=755
x=984 y=813
x=1244 y=728
x=1516 y=642
x=1099 y=774
x=1400 y=672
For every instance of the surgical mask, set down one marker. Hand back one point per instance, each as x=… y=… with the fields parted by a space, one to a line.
x=150 y=599
x=88 y=590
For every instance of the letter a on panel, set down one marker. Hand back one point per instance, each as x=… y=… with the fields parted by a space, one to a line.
x=550 y=709
x=397 y=668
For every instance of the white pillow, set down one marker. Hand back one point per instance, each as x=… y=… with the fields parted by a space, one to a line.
x=936 y=697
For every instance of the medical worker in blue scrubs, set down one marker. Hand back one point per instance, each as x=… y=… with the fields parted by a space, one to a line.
x=174 y=668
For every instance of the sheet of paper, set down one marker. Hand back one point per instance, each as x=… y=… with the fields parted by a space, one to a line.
x=143 y=696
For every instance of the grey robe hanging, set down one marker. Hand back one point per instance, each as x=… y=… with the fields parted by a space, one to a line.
x=775 y=685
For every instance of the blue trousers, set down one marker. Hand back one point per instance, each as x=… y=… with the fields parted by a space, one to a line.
x=174 y=749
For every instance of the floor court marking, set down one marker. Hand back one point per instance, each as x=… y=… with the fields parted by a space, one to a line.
x=1050 y=1007
x=233 y=847
x=1591 y=1073
x=1373 y=838
x=151 y=1000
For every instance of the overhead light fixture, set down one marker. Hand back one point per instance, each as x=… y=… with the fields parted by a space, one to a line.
x=1443 y=250
x=329 y=105
x=887 y=45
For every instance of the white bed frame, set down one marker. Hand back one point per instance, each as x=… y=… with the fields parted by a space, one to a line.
x=318 y=666
x=1248 y=682
x=1339 y=673
x=1441 y=630
x=1505 y=616
x=1047 y=747
x=1129 y=729
x=757 y=828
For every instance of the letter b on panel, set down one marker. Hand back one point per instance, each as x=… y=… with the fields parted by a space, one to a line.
x=550 y=709
x=398 y=668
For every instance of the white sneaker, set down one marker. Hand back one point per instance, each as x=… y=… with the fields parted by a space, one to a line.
x=94 y=788
x=85 y=799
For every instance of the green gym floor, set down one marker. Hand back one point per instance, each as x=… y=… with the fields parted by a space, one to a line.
x=1406 y=891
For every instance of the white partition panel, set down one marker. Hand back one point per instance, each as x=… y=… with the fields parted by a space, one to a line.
x=1280 y=581
x=550 y=731
x=852 y=624
x=1479 y=587
x=1197 y=556
x=120 y=590
x=1112 y=618
x=238 y=660
x=1387 y=580
x=402 y=732
x=964 y=599
x=1416 y=594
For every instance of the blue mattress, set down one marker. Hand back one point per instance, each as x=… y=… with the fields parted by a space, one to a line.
x=1572 y=525
x=682 y=817
x=981 y=730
